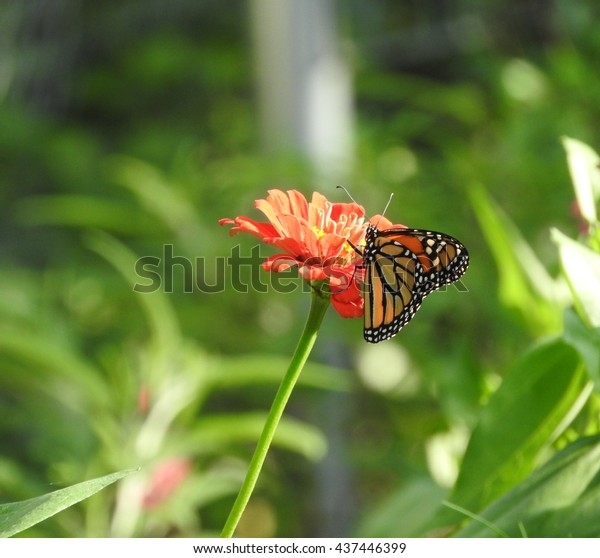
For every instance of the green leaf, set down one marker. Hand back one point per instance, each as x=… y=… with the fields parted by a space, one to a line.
x=209 y=487
x=581 y=267
x=234 y=372
x=524 y=283
x=44 y=356
x=528 y=411
x=216 y=431
x=86 y=212
x=583 y=166
x=160 y=315
x=160 y=197
x=18 y=516
x=403 y=513
x=561 y=499
x=586 y=341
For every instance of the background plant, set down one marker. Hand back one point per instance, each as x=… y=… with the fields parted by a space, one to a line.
x=138 y=129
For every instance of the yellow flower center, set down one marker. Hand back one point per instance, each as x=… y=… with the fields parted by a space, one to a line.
x=349 y=251
x=319 y=232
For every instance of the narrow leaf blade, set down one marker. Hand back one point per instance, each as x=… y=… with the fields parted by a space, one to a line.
x=18 y=516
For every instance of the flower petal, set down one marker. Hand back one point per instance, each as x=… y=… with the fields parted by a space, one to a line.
x=318 y=237
x=298 y=204
x=312 y=272
x=243 y=224
x=352 y=309
x=383 y=223
x=279 y=262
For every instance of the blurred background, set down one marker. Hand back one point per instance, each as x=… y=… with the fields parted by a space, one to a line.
x=129 y=125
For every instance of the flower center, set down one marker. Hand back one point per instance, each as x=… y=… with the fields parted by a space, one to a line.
x=319 y=232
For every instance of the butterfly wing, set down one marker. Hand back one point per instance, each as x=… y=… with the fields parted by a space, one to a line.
x=402 y=267
x=391 y=298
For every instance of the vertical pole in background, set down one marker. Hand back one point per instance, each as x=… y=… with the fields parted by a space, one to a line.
x=304 y=84
x=305 y=99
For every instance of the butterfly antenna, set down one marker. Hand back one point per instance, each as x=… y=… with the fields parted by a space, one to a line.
x=347 y=193
x=385 y=208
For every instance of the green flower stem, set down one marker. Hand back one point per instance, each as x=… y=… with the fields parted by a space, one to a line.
x=318 y=307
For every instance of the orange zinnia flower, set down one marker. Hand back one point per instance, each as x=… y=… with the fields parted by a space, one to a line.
x=316 y=236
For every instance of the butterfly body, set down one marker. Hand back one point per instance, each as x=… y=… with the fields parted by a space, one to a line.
x=402 y=266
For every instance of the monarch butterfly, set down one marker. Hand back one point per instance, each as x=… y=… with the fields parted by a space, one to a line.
x=402 y=266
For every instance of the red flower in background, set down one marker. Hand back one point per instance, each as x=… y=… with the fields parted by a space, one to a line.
x=166 y=477
x=316 y=236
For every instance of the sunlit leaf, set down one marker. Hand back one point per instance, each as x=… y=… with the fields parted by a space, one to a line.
x=581 y=267
x=18 y=516
x=585 y=174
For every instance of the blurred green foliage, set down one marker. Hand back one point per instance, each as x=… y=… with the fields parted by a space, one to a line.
x=138 y=129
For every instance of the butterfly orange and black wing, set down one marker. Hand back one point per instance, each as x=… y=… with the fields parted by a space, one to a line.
x=402 y=266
